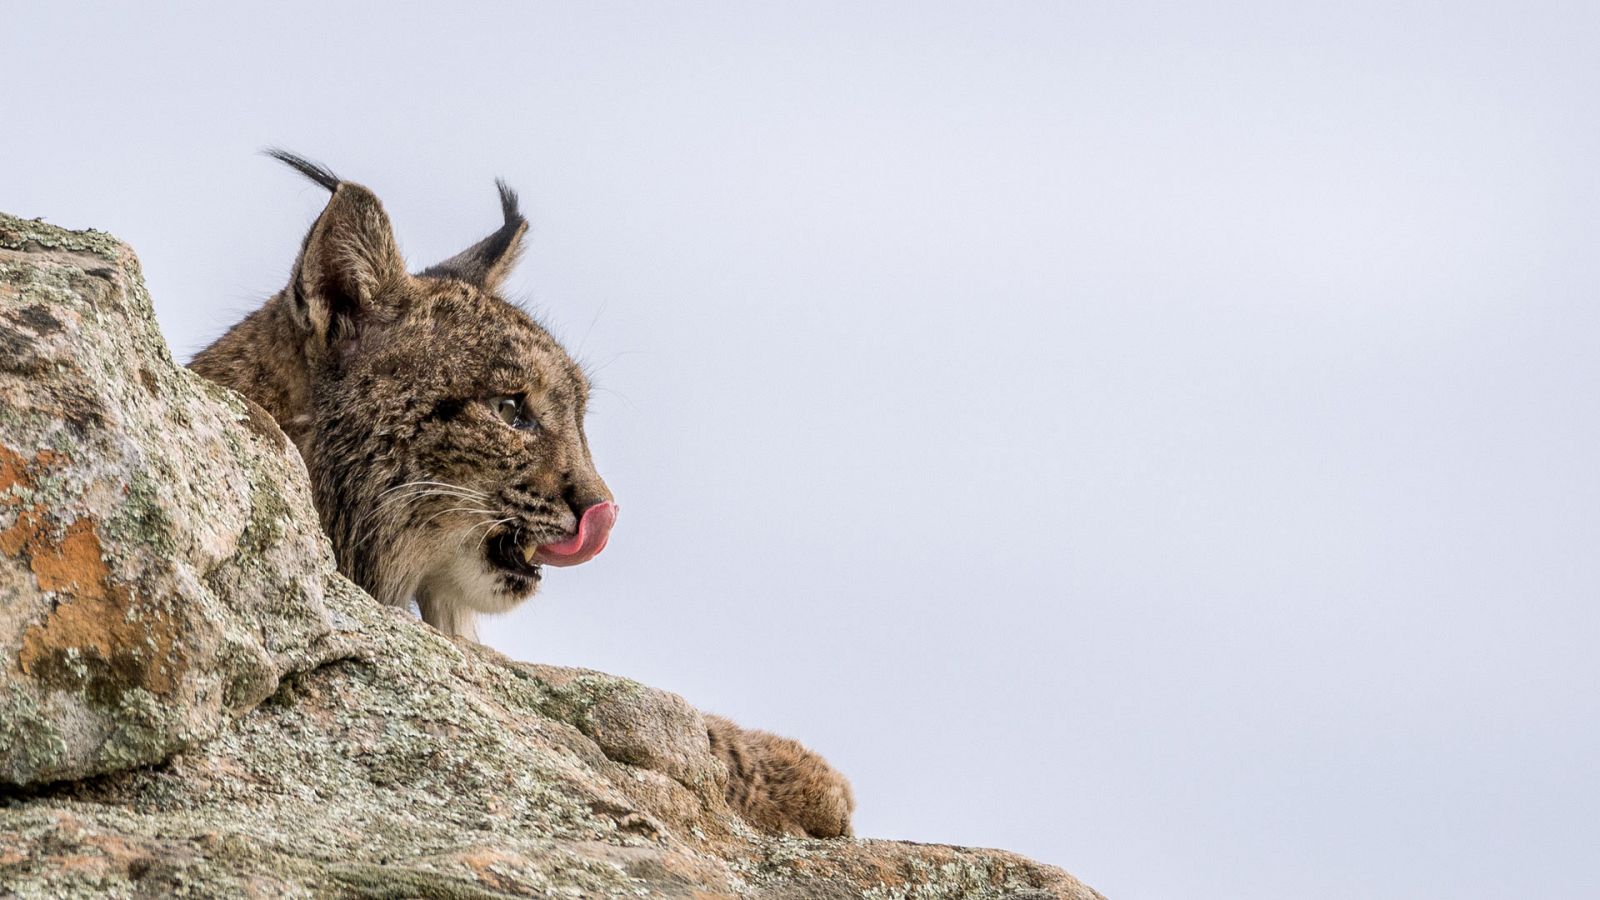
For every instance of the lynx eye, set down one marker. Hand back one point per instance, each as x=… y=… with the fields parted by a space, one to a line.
x=512 y=411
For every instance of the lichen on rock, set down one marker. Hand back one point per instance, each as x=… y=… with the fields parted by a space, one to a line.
x=139 y=610
x=192 y=700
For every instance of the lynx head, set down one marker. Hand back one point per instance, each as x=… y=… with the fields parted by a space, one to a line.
x=443 y=427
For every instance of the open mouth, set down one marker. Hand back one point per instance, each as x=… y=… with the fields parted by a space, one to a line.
x=513 y=551
x=505 y=552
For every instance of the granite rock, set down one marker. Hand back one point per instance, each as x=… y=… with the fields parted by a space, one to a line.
x=193 y=702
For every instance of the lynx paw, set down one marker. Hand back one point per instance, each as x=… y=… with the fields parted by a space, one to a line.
x=779 y=786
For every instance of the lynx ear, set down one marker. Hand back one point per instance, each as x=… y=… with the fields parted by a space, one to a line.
x=349 y=267
x=489 y=261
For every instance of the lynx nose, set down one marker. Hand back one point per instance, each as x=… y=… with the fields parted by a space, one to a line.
x=585 y=494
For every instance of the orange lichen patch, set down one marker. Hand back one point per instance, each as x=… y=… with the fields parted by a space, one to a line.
x=91 y=624
x=14 y=540
x=10 y=467
x=15 y=469
x=94 y=624
x=73 y=565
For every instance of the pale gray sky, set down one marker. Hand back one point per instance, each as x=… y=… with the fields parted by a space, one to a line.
x=1158 y=438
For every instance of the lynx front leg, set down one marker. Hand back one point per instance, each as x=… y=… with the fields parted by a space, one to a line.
x=778 y=785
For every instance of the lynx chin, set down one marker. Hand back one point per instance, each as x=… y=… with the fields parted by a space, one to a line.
x=443 y=432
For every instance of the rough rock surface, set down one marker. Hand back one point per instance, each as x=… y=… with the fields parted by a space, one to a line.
x=156 y=576
x=192 y=701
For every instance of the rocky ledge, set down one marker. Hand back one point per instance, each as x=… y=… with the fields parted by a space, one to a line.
x=194 y=702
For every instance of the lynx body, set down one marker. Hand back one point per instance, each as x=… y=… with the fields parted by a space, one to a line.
x=442 y=429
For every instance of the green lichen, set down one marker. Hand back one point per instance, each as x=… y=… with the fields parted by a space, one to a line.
x=961 y=879
x=141 y=520
x=30 y=739
x=572 y=702
x=31 y=234
x=374 y=882
x=143 y=732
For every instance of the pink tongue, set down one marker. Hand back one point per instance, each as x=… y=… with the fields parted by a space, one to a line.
x=594 y=529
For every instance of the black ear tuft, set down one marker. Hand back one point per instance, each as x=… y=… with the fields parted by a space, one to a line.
x=508 y=201
x=318 y=173
x=489 y=261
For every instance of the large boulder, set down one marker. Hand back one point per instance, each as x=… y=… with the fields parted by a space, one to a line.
x=158 y=573
x=193 y=702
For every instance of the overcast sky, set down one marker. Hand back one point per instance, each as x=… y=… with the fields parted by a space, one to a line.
x=1159 y=439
